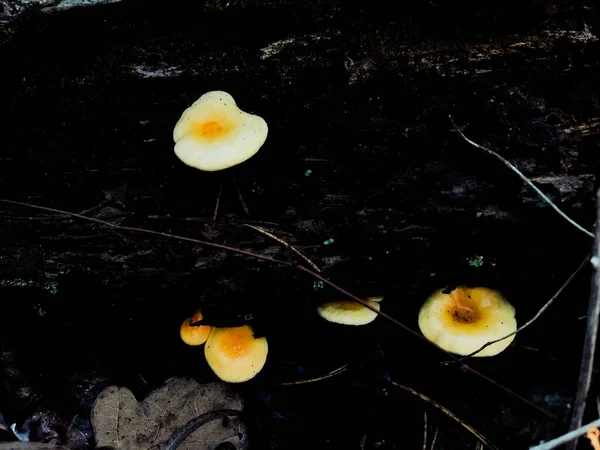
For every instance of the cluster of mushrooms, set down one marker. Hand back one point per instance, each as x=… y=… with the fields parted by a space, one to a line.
x=233 y=353
x=215 y=134
x=460 y=321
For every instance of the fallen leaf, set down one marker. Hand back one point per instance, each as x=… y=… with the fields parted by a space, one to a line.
x=123 y=423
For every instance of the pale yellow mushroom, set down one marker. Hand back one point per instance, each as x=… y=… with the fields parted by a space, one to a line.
x=214 y=134
x=467 y=318
x=234 y=354
x=349 y=312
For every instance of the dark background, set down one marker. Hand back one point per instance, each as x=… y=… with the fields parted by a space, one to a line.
x=359 y=93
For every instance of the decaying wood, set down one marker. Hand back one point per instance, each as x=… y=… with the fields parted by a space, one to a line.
x=360 y=155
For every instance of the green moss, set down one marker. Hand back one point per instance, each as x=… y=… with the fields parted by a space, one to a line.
x=475 y=261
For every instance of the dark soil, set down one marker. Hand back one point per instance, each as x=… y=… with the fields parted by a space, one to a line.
x=359 y=95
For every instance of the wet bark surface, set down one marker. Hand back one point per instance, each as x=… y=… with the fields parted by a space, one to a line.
x=360 y=150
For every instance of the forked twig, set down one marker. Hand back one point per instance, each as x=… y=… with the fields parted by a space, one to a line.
x=285 y=244
x=302 y=269
x=523 y=177
x=589 y=347
x=537 y=315
x=449 y=413
x=333 y=373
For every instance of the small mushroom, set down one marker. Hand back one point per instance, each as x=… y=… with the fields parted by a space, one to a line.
x=194 y=335
x=349 y=312
x=234 y=354
x=466 y=319
x=214 y=134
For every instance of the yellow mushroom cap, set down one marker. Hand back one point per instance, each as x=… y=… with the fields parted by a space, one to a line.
x=349 y=312
x=467 y=318
x=214 y=134
x=234 y=354
x=194 y=335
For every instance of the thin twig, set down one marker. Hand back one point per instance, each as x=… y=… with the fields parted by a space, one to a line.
x=424 y=429
x=217 y=203
x=537 y=315
x=333 y=373
x=155 y=233
x=589 y=347
x=363 y=441
x=181 y=434
x=435 y=435
x=524 y=178
x=285 y=244
x=567 y=437
x=306 y=270
x=449 y=413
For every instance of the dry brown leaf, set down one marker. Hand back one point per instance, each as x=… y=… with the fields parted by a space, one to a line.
x=121 y=422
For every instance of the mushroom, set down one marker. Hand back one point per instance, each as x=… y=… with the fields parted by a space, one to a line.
x=214 y=134
x=467 y=318
x=194 y=335
x=234 y=354
x=349 y=312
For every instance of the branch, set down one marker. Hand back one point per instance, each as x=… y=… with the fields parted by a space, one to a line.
x=449 y=413
x=300 y=268
x=524 y=178
x=589 y=347
x=181 y=434
x=537 y=315
x=568 y=437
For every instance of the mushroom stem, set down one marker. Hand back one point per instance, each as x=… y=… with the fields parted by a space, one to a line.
x=240 y=196
x=217 y=203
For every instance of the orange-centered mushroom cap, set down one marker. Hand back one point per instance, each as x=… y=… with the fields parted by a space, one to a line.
x=214 y=134
x=234 y=354
x=467 y=318
x=194 y=335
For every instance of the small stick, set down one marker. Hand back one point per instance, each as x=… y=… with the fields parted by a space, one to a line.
x=567 y=437
x=537 y=315
x=424 y=429
x=449 y=413
x=180 y=435
x=435 y=435
x=319 y=378
x=285 y=244
x=217 y=203
x=524 y=178
x=152 y=232
x=589 y=347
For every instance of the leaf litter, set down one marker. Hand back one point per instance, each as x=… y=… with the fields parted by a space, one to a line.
x=163 y=418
